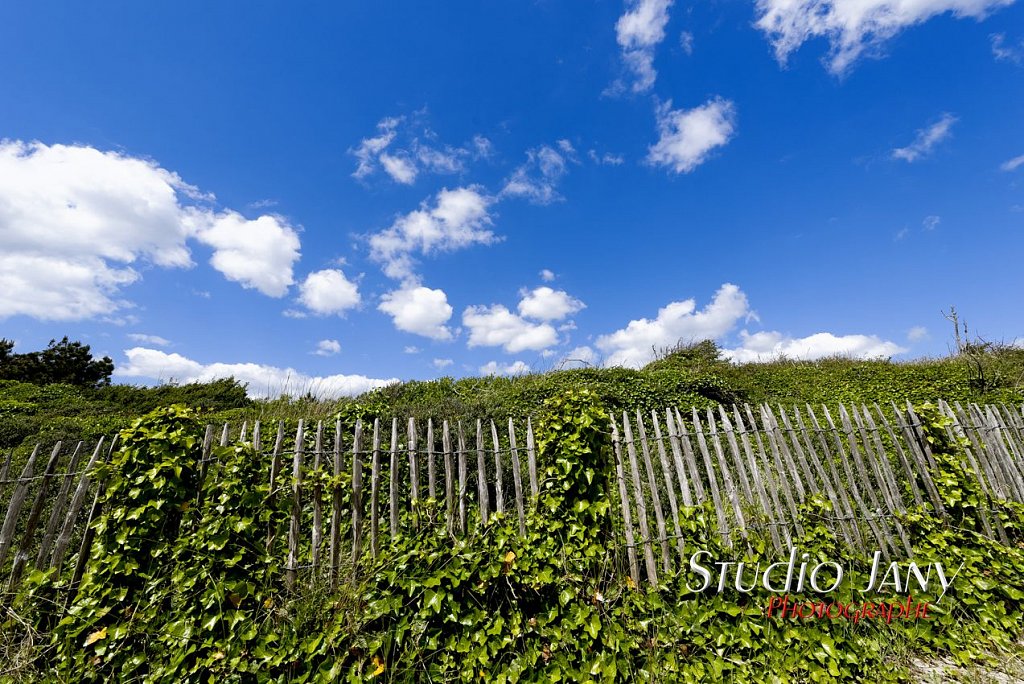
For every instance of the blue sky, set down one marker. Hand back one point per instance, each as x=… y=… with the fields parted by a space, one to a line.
x=334 y=196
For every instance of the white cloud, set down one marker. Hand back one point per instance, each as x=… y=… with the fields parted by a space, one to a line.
x=931 y=222
x=263 y=381
x=328 y=292
x=637 y=343
x=411 y=350
x=607 y=159
x=546 y=304
x=419 y=310
x=409 y=154
x=494 y=368
x=917 y=333
x=76 y=223
x=537 y=179
x=768 y=346
x=496 y=326
x=1007 y=53
x=369 y=148
x=686 y=42
x=854 y=28
x=578 y=357
x=688 y=136
x=1012 y=164
x=257 y=254
x=149 y=339
x=926 y=139
x=458 y=219
x=547 y=276
x=441 y=364
x=401 y=170
x=327 y=348
x=638 y=32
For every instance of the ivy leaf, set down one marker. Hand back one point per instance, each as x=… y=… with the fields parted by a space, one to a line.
x=96 y=636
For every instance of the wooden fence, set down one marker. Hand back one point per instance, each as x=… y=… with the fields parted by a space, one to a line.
x=755 y=465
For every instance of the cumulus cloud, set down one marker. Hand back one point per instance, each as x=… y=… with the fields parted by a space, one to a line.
x=457 y=219
x=495 y=368
x=496 y=326
x=688 y=136
x=546 y=304
x=149 y=339
x=1012 y=164
x=441 y=364
x=328 y=292
x=537 y=180
x=262 y=380
x=767 y=346
x=79 y=224
x=854 y=28
x=637 y=343
x=419 y=310
x=639 y=31
x=547 y=275
x=327 y=348
x=257 y=254
x=926 y=140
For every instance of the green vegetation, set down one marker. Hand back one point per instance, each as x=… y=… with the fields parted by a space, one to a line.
x=688 y=376
x=180 y=587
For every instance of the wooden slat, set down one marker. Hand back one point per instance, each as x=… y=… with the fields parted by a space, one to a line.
x=481 y=474
x=357 y=495
x=393 y=481
x=812 y=479
x=66 y=532
x=85 y=548
x=449 y=475
x=414 y=474
x=696 y=481
x=677 y=456
x=21 y=557
x=670 y=486
x=734 y=450
x=57 y=510
x=463 y=479
x=921 y=464
x=1002 y=454
x=994 y=476
x=531 y=459
x=908 y=470
x=375 y=490
x=291 y=571
x=770 y=505
x=698 y=430
x=431 y=475
x=15 y=504
x=336 y=501
x=517 y=477
x=641 y=506
x=730 y=486
x=627 y=516
x=786 y=464
x=499 y=475
x=318 y=513
x=835 y=490
x=869 y=514
x=777 y=471
x=879 y=468
x=659 y=511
